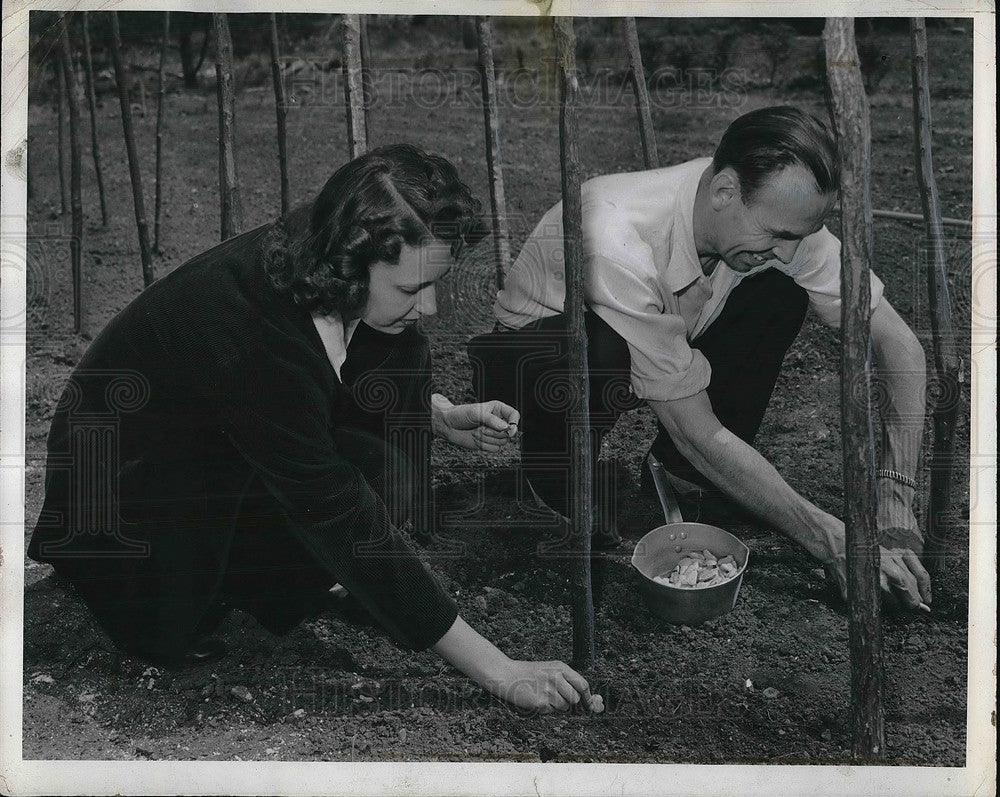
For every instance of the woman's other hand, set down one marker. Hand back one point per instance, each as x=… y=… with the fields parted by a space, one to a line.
x=488 y=426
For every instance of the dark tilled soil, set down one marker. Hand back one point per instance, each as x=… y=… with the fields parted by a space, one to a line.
x=768 y=682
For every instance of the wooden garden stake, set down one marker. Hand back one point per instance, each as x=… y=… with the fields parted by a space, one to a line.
x=581 y=465
x=229 y=184
x=353 y=86
x=849 y=109
x=947 y=363
x=61 y=124
x=367 y=86
x=88 y=71
x=121 y=78
x=160 y=95
x=641 y=95
x=281 y=110
x=73 y=99
x=491 y=120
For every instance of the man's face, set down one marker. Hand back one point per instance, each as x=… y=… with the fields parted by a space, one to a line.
x=786 y=209
x=399 y=295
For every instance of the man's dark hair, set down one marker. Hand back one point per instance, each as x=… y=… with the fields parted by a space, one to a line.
x=765 y=141
x=372 y=206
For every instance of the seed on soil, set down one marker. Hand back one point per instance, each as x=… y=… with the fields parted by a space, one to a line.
x=699 y=569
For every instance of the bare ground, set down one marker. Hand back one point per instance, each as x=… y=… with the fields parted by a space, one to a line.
x=334 y=691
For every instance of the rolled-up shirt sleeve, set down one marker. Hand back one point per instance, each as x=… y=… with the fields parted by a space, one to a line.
x=625 y=294
x=816 y=267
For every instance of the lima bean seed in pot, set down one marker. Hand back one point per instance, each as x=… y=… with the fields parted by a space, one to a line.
x=698 y=569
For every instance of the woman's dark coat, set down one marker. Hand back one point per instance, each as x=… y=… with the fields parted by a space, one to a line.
x=208 y=382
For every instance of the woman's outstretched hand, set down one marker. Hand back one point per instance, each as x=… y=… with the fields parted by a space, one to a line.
x=488 y=426
x=542 y=686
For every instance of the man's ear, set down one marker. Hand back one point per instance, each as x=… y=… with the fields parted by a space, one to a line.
x=724 y=188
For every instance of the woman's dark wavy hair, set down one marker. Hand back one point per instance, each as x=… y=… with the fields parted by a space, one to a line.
x=390 y=197
x=762 y=142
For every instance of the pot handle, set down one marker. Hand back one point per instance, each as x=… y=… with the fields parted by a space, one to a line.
x=668 y=501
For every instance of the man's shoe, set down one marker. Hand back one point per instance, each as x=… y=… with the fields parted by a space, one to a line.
x=604 y=536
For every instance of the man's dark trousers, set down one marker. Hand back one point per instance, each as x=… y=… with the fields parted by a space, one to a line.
x=745 y=346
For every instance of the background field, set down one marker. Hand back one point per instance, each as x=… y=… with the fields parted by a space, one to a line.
x=331 y=690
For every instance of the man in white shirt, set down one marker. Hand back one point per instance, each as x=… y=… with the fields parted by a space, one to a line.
x=697 y=281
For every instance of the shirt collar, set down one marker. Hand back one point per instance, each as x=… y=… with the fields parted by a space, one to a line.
x=336 y=337
x=685 y=265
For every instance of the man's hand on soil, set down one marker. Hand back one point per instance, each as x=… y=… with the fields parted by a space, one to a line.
x=904 y=579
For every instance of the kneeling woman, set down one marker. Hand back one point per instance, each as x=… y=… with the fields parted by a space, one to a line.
x=250 y=431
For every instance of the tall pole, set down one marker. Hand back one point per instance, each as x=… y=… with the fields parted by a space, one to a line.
x=121 y=78
x=229 y=185
x=947 y=363
x=641 y=94
x=494 y=163
x=73 y=101
x=354 y=95
x=367 y=85
x=88 y=71
x=849 y=110
x=581 y=455
x=161 y=92
x=281 y=111
x=61 y=124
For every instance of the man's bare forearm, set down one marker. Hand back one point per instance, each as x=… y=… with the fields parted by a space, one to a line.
x=743 y=474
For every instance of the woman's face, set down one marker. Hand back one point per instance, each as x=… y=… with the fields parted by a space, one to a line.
x=400 y=295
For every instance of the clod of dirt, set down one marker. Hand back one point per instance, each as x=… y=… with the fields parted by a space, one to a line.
x=770 y=693
x=241 y=693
